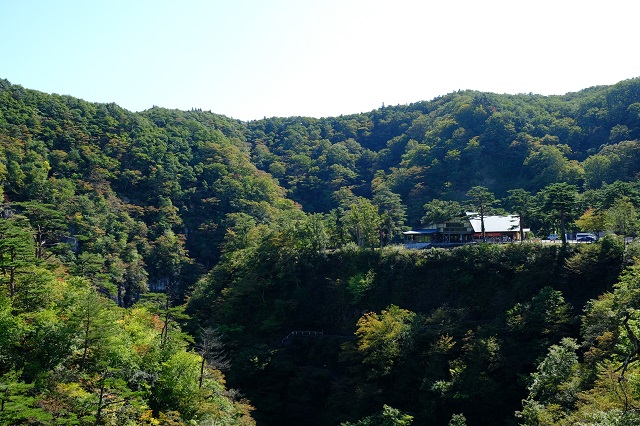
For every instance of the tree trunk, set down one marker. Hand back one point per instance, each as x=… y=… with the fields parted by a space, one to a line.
x=12 y=274
x=484 y=237
x=562 y=230
x=86 y=340
x=100 y=398
x=201 y=372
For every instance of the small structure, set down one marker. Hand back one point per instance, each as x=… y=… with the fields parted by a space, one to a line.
x=465 y=230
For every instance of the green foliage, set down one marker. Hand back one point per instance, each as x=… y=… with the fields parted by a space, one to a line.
x=177 y=385
x=388 y=417
x=522 y=203
x=549 y=164
x=458 y=420
x=437 y=211
x=591 y=221
x=17 y=405
x=621 y=217
x=599 y=388
x=454 y=344
x=616 y=162
x=69 y=355
x=560 y=202
x=392 y=213
x=598 y=265
x=17 y=250
x=552 y=372
x=381 y=338
x=554 y=386
x=261 y=225
x=482 y=201
x=363 y=222
x=360 y=283
x=546 y=313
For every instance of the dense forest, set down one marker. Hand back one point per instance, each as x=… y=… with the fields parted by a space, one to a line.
x=181 y=267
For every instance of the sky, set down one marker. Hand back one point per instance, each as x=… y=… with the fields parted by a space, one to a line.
x=250 y=59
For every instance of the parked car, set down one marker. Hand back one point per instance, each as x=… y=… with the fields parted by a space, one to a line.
x=553 y=237
x=584 y=237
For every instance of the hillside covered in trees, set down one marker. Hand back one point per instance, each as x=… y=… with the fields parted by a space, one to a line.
x=158 y=267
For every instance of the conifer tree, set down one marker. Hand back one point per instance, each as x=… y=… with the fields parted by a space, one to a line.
x=481 y=199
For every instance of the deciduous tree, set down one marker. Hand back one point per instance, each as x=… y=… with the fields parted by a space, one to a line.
x=392 y=212
x=592 y=221
x=381 y=338
x=622 y=217
x=363 y=221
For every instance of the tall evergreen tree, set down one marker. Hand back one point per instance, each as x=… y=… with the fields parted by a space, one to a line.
x=16 y=248
x=482 y=200
x=560 y=202
x=522 y=203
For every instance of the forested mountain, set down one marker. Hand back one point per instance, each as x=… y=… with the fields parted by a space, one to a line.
x=143 y=253
x=441 y=148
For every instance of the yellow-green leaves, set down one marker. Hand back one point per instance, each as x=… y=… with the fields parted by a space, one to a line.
x=382 y=336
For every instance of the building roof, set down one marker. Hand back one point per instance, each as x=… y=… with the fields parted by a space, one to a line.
x=508 y=223
x=421 y=232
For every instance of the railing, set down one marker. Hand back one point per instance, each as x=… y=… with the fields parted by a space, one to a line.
x=301 y=333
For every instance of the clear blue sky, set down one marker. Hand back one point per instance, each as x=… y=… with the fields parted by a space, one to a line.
x=253 y=58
